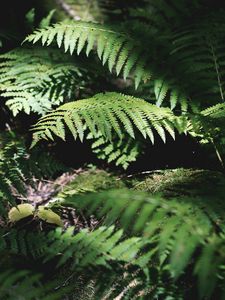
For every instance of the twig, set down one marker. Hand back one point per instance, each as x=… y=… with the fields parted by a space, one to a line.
x=68 y=10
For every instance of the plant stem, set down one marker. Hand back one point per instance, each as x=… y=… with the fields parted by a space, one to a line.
x=217 y=72
x=218 y=154
x=68 y=9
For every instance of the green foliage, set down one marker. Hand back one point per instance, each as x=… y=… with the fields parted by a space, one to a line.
x=122 y=152
x=176 y=54
x=25 y=285
x=12 y=177
x=104 y=113
x=45 y=22
x=178 y=235
x=18 y=167
x=176 y=229
x=114 y=48
x=168 y=243
x=100 y=251
x=123 y=51
x=38 y=84
x=163 y=52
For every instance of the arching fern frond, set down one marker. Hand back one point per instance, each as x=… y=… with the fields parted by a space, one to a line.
x=106 y=113
x=116 y=49
x=185 y=59
x=177 y=229
x=101 y=252
x=122 y=52
x=198 y=50
x=38 y=79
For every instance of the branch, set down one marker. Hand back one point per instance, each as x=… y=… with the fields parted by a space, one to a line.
x=68 y=10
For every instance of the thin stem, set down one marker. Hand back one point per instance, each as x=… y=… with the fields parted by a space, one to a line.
x=218 y=154
x=217 y=71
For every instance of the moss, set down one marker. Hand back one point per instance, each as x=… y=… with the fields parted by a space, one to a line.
x=91 y=181
x=180 y=182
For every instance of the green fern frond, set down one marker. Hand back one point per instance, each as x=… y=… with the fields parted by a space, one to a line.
x=186 y=60
x=106 y=113
x=122 y=52
x=40 y=83
x=14 y=166
x=208 y=125
x=198 y=50
x=98 y=251
x=116 y=49
x=96 y=248
x=215 y=111
x=11 y=170
x=177 y=227
x=122 y=152
x=26 y=285
x=18 y=166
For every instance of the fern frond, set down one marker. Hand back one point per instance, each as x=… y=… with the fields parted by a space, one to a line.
x=17 y=284
x=167 y=235
x=40 y=83
x=121 y=51
x=198 y=49
x=18 y=167
x=12 y=176
x=116 y=49
x=106 y=113
x=177 y=227
x=122 y=152
x=209 y=124
x=99 y=251
x=215 y=111
x=186 y=60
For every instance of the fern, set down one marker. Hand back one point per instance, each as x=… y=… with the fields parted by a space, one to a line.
x=12 y=177
x=89 y=181
x=209 y=125
x=122 y=53
x=157 y=237
x=215 y=111
x=104 y=113
x=122 y=152
x=20 y=284
x=162 y=229
x=39 y=84
x=139 y=245
x=98 y=251
x=186 y=51
x=177 y=227
x=19 y=167
x=201 y=59
x=110 y=44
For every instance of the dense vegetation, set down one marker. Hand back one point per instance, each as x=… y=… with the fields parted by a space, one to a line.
x=112 y=150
